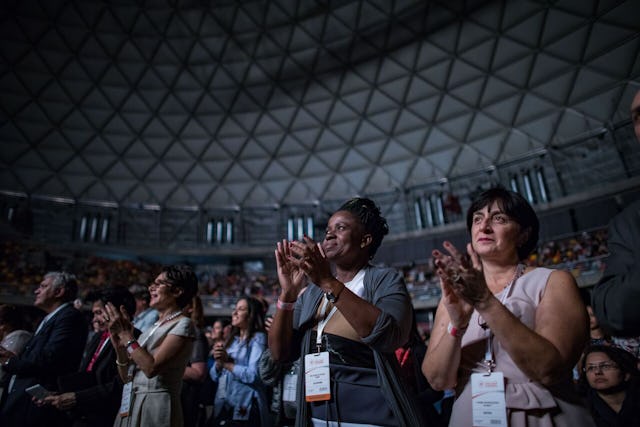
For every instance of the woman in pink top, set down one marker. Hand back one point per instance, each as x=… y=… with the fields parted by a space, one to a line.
x=506 y=336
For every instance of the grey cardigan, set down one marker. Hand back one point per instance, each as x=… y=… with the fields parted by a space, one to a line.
x=385 y=288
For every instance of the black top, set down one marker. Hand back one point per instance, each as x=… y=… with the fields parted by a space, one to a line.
x=629 y=415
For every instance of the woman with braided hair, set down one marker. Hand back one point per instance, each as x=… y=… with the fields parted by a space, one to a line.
x=346 y=325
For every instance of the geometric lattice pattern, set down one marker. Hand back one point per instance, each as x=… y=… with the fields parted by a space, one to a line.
x=247 y=103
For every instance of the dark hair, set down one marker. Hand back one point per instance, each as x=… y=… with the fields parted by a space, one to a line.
x=369 y=216
x=118 y=296
x=518 y=209
x=255 y=319
x=140 y=292
x=67 y=281
x=626 y=361
x=197 y=312
x=13 y=317
x=183 y=277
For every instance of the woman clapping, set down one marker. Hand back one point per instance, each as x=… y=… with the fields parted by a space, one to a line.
x=152 y=366
x=506 y=336
x=346 y=325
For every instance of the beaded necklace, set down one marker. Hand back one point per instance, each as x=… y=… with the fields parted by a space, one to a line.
x=159 y=323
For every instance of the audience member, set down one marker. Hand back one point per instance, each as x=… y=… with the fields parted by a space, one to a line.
x=54 y=350
x=152 y=368
x=216 y=334
x=501 y=321
x=196 y=370
x=13 y=333
x=615 y=298
x=613 y=387
x=596 y=334
x=91 y=396
x=240 y=397
x=145 y=316
x=351 y=319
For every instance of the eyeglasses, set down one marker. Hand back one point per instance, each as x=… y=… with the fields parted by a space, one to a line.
x=604 y=366
x=157 y=284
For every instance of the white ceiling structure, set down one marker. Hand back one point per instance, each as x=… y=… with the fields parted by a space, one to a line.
x=262 y=103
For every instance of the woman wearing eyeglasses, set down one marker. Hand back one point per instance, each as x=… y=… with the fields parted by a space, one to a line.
x=613 y=386
x=506 y=336
x=152 y=366
x=240 y=397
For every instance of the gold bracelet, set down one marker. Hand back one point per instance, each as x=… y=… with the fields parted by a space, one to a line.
x=121 y=364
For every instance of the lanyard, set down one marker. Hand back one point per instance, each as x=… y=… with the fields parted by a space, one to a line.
x=489 y=361
x=323 y=322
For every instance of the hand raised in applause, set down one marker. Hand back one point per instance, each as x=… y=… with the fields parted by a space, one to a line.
x=462 y=282
x=290 y=275
x=311 y=259
x=119 y=323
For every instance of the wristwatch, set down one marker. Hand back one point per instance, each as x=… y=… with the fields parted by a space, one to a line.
x=333 y=298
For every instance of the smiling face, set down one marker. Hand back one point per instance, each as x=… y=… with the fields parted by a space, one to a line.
x=98 y=316
x=162 y=293
x=603 y=373
x=494 y=233
x=345 y=239
x=240 y=315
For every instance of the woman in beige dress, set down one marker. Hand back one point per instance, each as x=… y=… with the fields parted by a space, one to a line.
x=525 y=325
x=152 y=366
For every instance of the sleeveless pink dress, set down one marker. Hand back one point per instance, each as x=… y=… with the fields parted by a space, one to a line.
x=528 y=403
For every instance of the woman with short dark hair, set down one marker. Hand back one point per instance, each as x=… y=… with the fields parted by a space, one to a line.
x=152 y=367
x=506 y=336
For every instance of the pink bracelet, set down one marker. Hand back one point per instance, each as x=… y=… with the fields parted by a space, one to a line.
x=285 y=306
x=455 y=332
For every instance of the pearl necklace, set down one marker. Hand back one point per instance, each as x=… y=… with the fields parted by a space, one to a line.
x=157 y=324
x=168 y=318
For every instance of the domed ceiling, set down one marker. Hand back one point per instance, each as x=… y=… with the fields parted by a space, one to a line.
x=262 y=103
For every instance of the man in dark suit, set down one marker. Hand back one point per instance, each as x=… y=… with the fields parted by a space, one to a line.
x=615 y=298
x=91 y=396
x=54 y=350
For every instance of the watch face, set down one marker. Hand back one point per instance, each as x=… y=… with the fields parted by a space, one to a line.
x=331 y=297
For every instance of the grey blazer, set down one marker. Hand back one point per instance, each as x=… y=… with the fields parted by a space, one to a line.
x=385 y=288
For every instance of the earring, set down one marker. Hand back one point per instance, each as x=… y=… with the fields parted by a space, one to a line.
x=362 y=245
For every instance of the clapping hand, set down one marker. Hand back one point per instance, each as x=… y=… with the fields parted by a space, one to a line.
x=461 y=280
x=118 y=321
x=311 y=258
x=290 y=274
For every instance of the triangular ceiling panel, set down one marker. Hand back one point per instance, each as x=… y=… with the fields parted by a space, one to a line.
x=258 y=103
x=53 y=185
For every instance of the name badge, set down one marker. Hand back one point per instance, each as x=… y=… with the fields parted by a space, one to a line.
x=488 y=401
x=125 y=402
x=289 y=386
x=316 y=377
